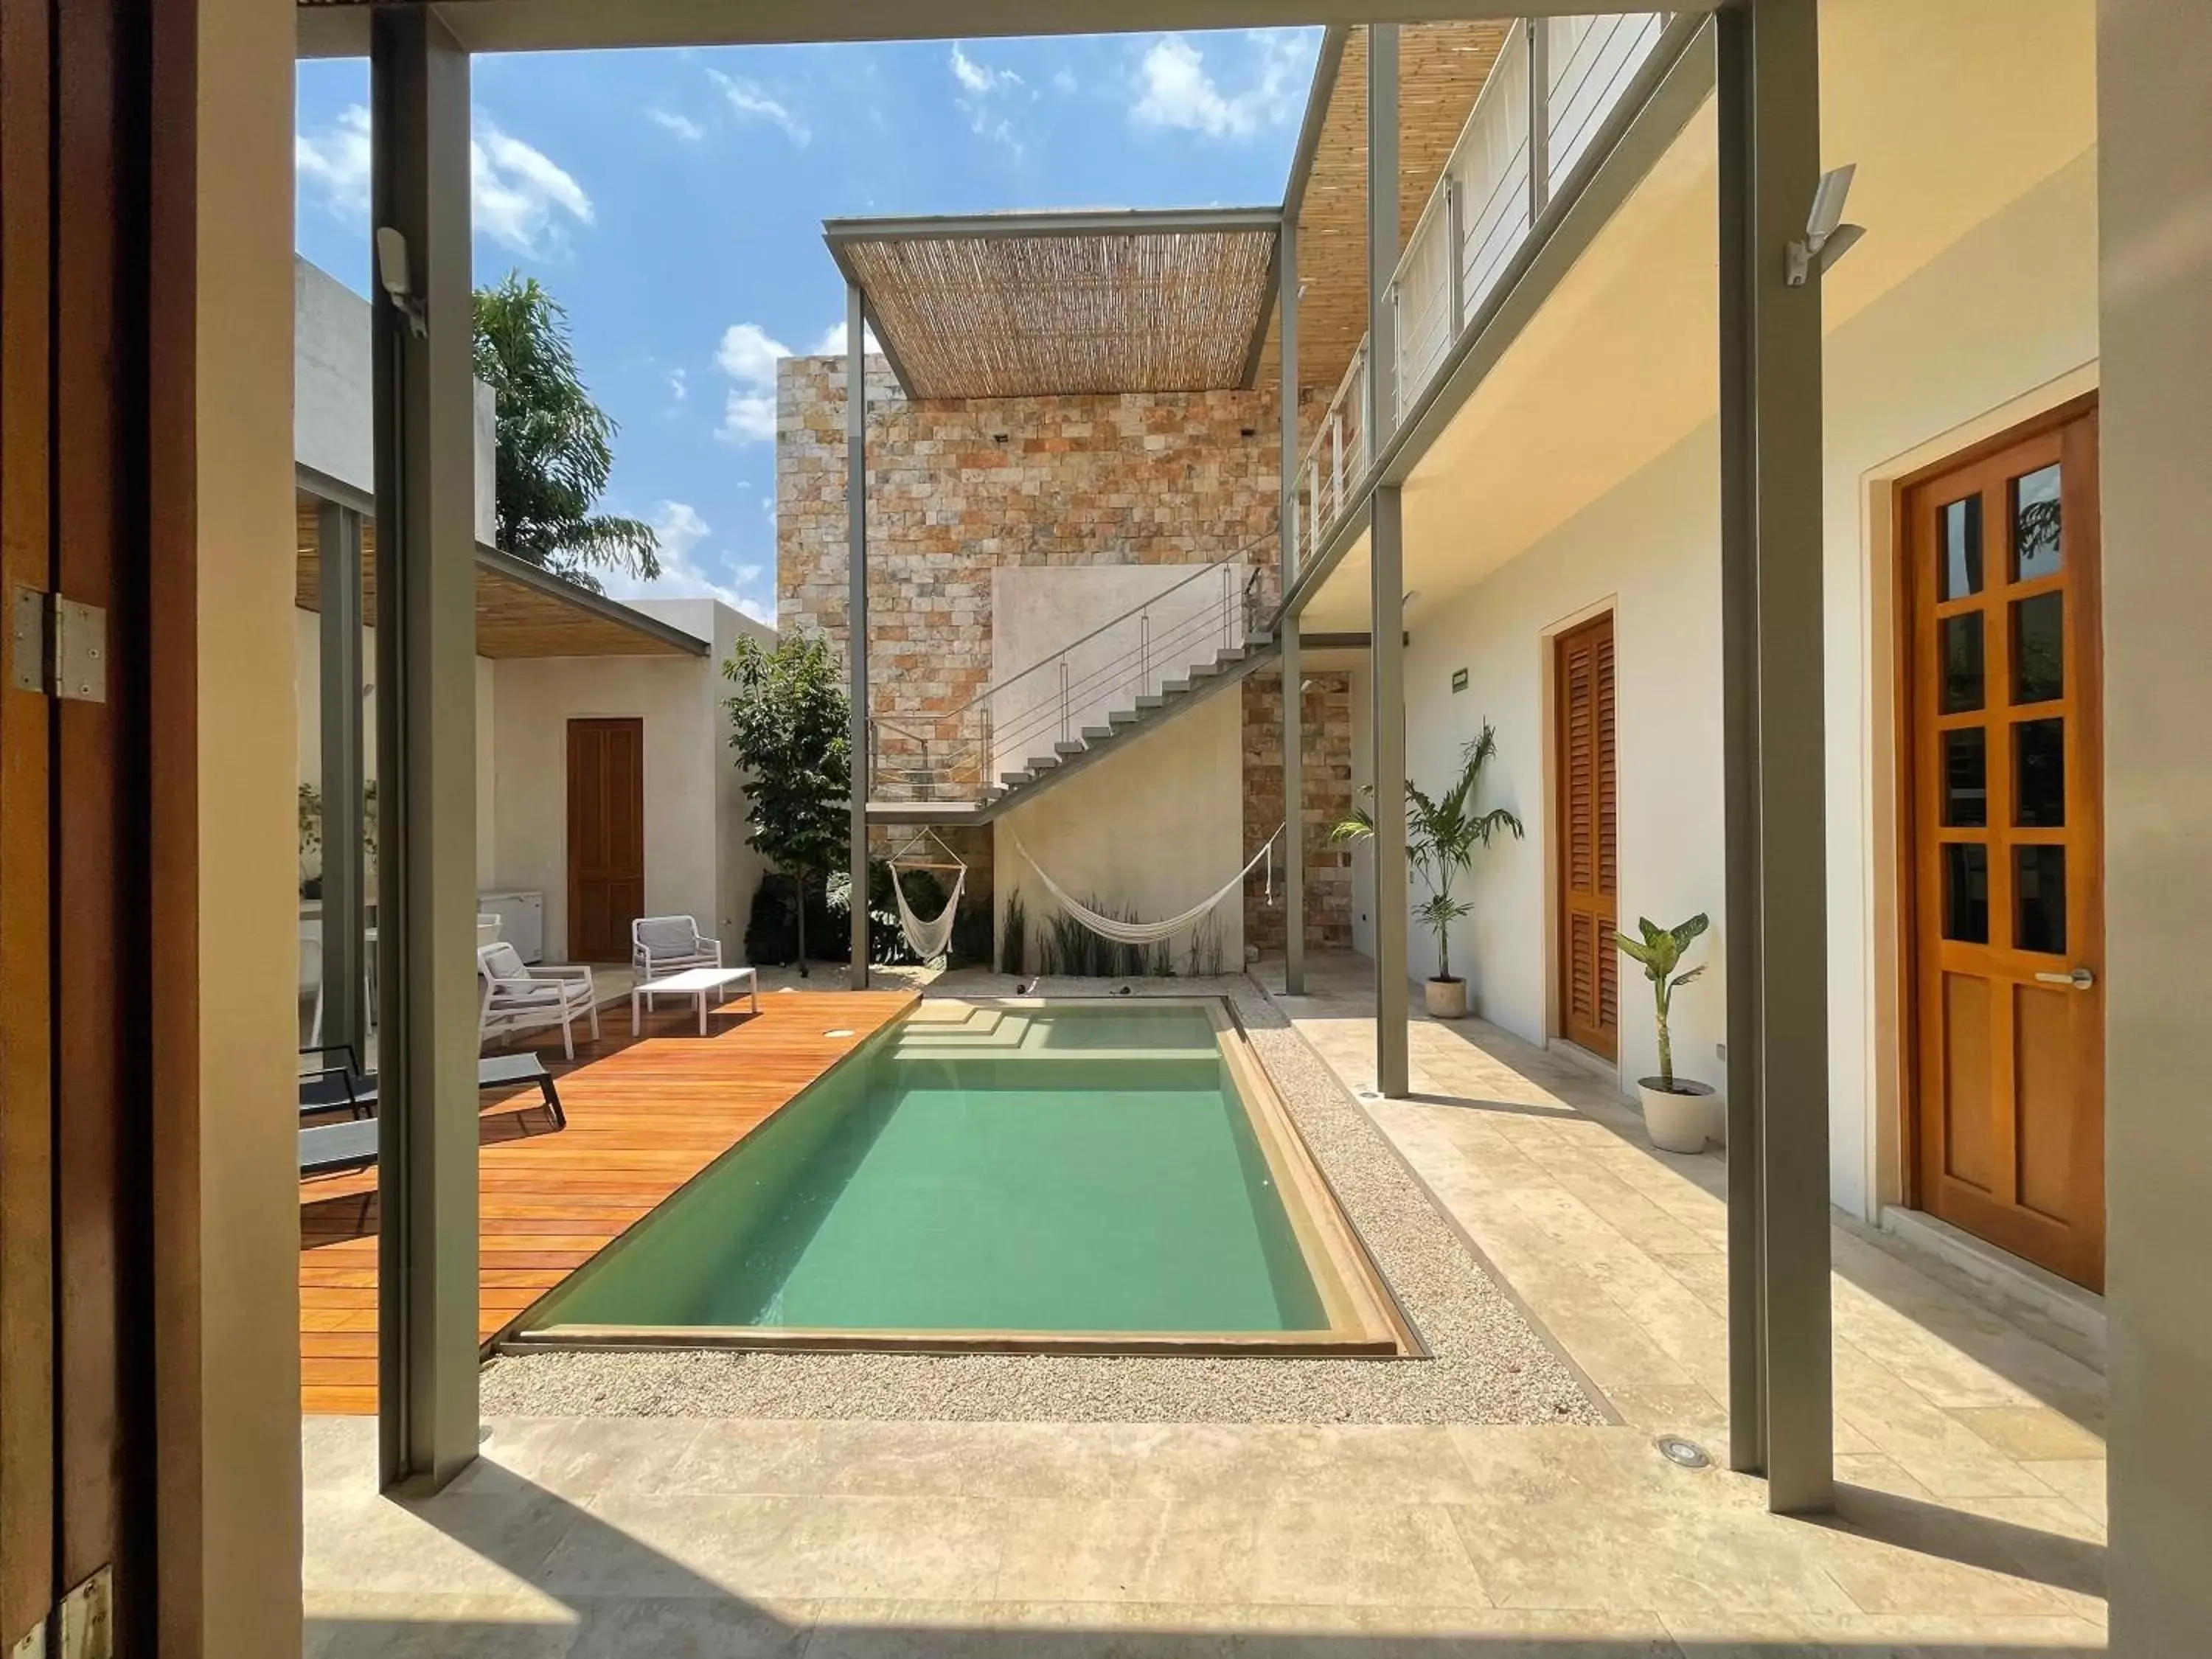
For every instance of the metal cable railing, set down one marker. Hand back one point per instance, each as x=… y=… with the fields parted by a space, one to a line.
x=1556 y=81
x=1183 y=628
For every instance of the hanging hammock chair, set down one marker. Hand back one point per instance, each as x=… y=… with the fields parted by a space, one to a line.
x=1150 y=933
x=929 y=940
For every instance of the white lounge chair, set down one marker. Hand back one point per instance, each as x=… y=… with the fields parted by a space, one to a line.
x=516 y=996
x=661 y=945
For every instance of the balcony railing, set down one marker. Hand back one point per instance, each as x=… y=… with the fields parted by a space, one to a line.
x=1554 y=84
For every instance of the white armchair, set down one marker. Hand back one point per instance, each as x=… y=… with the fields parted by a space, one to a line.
x=669 y=945
x=516 y=996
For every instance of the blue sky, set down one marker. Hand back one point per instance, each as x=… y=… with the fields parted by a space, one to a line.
x=673 y=201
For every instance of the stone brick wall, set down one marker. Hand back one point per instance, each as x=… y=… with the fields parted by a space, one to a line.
x=957 y=488
x=1326 y=717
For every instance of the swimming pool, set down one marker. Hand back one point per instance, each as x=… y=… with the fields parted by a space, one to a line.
x=1095 y=1176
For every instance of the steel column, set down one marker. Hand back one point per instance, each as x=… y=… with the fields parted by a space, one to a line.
x=1387 y=659
x=1294 y=839
x=1383 y=247
x=338 y=551
x=1781 y=1370
x=426 y=756
x=856 y=613
x=1386 y=559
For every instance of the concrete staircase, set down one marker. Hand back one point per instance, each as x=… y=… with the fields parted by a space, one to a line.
x=1123 y=727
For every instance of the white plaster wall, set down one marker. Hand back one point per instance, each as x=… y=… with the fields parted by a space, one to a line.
x=2000 y=323
x=333 y=423
x=1038 y=610
x=1159 y=826
x=1649 y=552
x=696 y=863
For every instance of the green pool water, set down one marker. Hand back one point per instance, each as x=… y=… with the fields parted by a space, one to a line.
x=1018 y=1169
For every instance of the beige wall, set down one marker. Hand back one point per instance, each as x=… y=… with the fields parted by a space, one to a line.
x=1156 y=826
x=227 y=1210
x=2155 y=250
x=697 y=862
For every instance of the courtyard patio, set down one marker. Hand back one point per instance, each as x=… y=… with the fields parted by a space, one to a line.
x=1969 y=1454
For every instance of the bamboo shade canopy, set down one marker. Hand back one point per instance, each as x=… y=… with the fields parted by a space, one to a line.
x=976 y=312
x=515 y=617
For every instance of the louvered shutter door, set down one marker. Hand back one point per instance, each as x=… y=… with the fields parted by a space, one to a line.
x=1590 y=989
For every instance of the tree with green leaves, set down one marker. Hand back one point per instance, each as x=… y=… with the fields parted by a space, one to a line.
x=1440 y=836
x=788 y=723
x=554 y=453
x=1661 y=950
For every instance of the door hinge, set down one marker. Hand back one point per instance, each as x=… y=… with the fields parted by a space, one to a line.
x=57 y=646
x=32 y=1643
x=86 y=1619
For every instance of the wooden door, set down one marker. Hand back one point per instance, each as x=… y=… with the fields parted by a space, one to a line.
x=1588 y=858
x=80 y=401
x=606 y=836
x=2004 y=782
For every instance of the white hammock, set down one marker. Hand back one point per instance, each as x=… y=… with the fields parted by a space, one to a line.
x=929 y=940
x=1149 y=933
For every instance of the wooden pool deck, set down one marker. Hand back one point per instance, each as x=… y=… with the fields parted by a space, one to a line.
x=645 y=1115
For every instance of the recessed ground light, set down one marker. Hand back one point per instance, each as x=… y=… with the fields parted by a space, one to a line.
x=840 y=1031
x=1686 y=1453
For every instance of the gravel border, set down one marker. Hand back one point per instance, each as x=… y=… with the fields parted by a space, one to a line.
x=1488 y=1364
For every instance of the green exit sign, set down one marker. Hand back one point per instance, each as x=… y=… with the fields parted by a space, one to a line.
x=1459 y=680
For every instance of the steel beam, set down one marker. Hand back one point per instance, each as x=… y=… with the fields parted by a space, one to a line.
x=1781 y=1378
x=1022 y=225
x=425 y=422
x=337 y=553
x=340 y=31
x=1286 y=538
x=856 y=612
x=1387 y=663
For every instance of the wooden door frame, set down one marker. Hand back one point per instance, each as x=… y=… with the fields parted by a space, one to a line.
x=1552 y=712
x=567 y=830
x=1904 y=687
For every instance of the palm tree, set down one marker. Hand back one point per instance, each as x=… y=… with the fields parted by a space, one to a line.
x=554 y=441
x=1440 y=836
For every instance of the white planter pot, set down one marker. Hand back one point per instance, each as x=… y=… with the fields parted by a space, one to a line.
x=1446 y=998
x=1676 y=1120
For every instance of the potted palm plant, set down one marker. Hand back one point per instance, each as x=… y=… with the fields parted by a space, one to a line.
x=1675 y=1111
x=1440 y=836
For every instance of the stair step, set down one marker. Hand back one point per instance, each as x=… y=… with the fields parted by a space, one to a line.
x=1012 y=780
x=1095 y=735
x=1234 y=654
x=1067 y=746
x=1039 y=764
x=1121 y=717
x=1151 y=700
x=1172 y=689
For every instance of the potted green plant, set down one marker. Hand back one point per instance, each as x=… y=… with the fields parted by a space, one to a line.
x=1676 y=1112
x=1440 y=836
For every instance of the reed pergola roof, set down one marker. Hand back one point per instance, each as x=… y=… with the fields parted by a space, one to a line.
x=1013 y=305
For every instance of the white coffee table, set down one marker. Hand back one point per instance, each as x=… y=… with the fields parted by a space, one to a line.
x=699 y=982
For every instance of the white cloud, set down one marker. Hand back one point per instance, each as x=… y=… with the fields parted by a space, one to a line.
x=679 y=384
x=336 y=164
x=747 y=99
x=1174 y=90
x=682 y=125
x=520 y=197
x=749 y=354
x=980 y=77
x=832 y=343
x=1063 y=82
x=685 y=573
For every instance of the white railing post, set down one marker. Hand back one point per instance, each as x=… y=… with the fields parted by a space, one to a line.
x=1455 y=235
x=1336 y=461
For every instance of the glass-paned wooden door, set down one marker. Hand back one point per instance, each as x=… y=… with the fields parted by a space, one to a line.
x=2007 y=916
